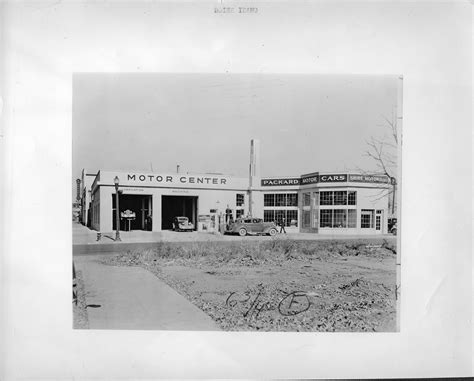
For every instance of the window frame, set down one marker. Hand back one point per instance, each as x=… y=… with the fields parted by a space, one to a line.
x=367 y=213
x=239 y=202
x=349 y=198
x=351 y=218
x=338 y=200
x=324 y=200
x=337 y=212
x=323 y=214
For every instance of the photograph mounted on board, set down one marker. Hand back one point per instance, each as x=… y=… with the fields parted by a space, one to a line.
x=236 y=202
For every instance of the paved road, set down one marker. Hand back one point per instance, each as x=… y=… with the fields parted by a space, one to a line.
x=133 y=298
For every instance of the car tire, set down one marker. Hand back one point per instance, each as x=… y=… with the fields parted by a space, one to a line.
x=242 y=232
x=272 y=232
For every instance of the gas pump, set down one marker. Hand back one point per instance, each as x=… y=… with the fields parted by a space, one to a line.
x=214 y=220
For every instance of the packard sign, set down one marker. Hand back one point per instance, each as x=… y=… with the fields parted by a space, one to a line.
x=280 y=182
x=369 y=179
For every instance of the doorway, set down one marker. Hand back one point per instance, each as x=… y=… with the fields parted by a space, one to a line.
x=141 y=205
x=175 y=206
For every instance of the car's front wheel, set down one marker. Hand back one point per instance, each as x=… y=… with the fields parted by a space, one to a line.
x=242 y=232
x=272 y=232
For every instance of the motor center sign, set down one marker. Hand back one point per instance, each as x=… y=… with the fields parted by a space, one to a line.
x=172 y=180
x=177 y=179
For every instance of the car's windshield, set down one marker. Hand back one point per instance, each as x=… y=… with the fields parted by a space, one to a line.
x=182 y=219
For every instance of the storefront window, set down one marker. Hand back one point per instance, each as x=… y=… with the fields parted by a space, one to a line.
x=367 y=219
x=337 y=198
x=325 y=219
x=279 y=216
x=352 y=218
x=292 y=199
x=351 y=198
x=292 y=218
x=325 y=198
x=340 y=198
x=340 y=218
x=280 y=199
x=268 y=215
x=269 y=199
x=239 y=213
x=239 y=199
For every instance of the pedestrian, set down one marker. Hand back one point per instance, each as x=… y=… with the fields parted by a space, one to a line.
x=148 y=222
x=282 y=226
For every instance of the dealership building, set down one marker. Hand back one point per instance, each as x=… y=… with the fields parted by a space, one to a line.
x=318 y=202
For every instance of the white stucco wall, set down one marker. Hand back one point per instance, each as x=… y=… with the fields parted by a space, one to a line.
x=206 y=200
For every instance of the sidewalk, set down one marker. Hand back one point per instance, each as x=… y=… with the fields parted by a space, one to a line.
x=133 y=298
x=82 y=235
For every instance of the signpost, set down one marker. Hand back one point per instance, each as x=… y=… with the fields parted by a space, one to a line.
x=128 y=215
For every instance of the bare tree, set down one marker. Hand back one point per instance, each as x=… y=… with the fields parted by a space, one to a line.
x=384 y=151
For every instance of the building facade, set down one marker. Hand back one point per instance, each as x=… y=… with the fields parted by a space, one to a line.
x=323 y=203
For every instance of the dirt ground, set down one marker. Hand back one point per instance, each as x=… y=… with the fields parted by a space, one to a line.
x=290 y=286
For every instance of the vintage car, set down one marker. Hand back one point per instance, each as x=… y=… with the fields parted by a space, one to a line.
x=182 y=224
x=392 y=226
x=394 y=229
x=244 y=226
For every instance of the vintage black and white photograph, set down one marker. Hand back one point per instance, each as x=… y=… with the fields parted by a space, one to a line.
x=236 y=202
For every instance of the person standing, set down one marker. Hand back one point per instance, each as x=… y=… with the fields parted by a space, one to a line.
x=282 y=226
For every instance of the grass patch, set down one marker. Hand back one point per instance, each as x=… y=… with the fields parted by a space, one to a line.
x=275 y=251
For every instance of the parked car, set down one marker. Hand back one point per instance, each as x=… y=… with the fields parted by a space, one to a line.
x=394 y=229
x=392 y=226
x=244 y=226
x=182 y=224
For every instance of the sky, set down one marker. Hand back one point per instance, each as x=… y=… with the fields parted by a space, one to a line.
x=204 y=122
